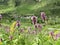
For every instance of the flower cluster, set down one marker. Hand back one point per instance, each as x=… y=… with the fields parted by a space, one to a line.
x=14 y=25
x=34 y=19
x=43 y=16
x=39 y=26
x=55 y=35
x=18 y=23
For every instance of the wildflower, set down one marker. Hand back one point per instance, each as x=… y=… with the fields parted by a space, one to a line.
x=10 y=37
x=36 y=26
x=0 y=41
x=18 y=24
x=39 y=26
x=34 y=32
x=52 y=33
x=12 y=28
x=55 y=35
x=58 y=35
x=34 y=19
x=43 y=16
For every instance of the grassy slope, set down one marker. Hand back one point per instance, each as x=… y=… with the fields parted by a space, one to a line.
x=31 y=8
x=37 y=7
x=7 y=8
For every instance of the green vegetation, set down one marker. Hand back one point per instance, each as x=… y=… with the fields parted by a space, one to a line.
x=45 y=32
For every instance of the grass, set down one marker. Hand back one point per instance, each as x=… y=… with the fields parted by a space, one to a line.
x=26 y=38
x=34 y=36
x=29 y=39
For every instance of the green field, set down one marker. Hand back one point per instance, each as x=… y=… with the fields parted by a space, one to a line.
x=47 y=32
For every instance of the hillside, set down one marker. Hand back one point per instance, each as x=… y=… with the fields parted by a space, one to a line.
x=24 y=7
